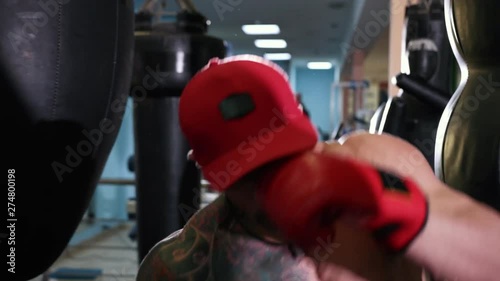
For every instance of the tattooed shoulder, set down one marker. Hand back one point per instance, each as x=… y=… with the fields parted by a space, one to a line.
x=183 y=257
x=184 y=254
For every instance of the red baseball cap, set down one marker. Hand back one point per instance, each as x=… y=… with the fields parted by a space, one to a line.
x=240 y=113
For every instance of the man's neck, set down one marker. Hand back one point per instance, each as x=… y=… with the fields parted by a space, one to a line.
x=264 y=233
x=253 y=226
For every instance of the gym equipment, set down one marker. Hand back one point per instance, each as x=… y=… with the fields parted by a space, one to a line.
x=338 y=132
x=377 y=119
x=66 y=67
x=168 y=185
x=117 y=182
x=131 y=163
x=414 y=115
x=468 y=140
x=350 y=90
x=427 y=94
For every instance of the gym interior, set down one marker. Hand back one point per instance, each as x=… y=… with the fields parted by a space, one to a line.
x=109 y=177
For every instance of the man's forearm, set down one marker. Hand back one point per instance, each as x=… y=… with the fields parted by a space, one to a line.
x=461 y=241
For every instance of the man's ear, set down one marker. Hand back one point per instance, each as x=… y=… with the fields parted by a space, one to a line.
x=190 y=157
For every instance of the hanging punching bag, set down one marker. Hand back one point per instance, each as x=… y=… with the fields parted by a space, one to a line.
x=414 y=115
x=168 y=185
x=63 y=66
x=468 y=143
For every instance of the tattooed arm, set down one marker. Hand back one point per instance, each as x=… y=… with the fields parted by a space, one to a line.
x=183 y=255
x=179 y=257
x=153 y=268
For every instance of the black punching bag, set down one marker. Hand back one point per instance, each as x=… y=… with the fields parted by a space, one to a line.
x=65 y=67
x=168 y=186
x=414 y=115
x=468 y=146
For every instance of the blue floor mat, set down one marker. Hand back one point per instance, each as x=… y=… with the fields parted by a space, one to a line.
x=76 y=273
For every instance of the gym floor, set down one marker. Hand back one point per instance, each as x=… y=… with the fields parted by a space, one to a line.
x=111 y=251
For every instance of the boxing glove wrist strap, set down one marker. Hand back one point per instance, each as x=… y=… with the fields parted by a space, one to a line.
x=402 y=214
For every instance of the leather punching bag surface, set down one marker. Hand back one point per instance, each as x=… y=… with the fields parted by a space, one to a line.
x=168 y=185
x=65 y=67
x=468 y=146
x=414 y=115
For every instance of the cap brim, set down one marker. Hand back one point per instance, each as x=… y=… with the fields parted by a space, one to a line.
x=293 y=138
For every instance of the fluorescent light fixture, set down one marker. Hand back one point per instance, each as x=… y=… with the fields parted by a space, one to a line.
x=277 y=56
x=261 y=29
x=270 y=43
x=319 y=65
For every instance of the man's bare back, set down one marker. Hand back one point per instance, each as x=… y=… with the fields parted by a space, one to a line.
x=213 y=246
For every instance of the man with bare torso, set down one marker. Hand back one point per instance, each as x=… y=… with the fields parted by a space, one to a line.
x=241 y=119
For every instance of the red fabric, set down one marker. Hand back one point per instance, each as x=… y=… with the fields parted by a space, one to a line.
x=227 y=150
x=306 y=194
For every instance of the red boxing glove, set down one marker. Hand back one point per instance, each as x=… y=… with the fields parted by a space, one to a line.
x=304 y=195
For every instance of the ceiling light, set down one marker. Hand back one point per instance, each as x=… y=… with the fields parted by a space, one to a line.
x=270 y=43
x=261 y=29
x=277 y=56
x=319 y=65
